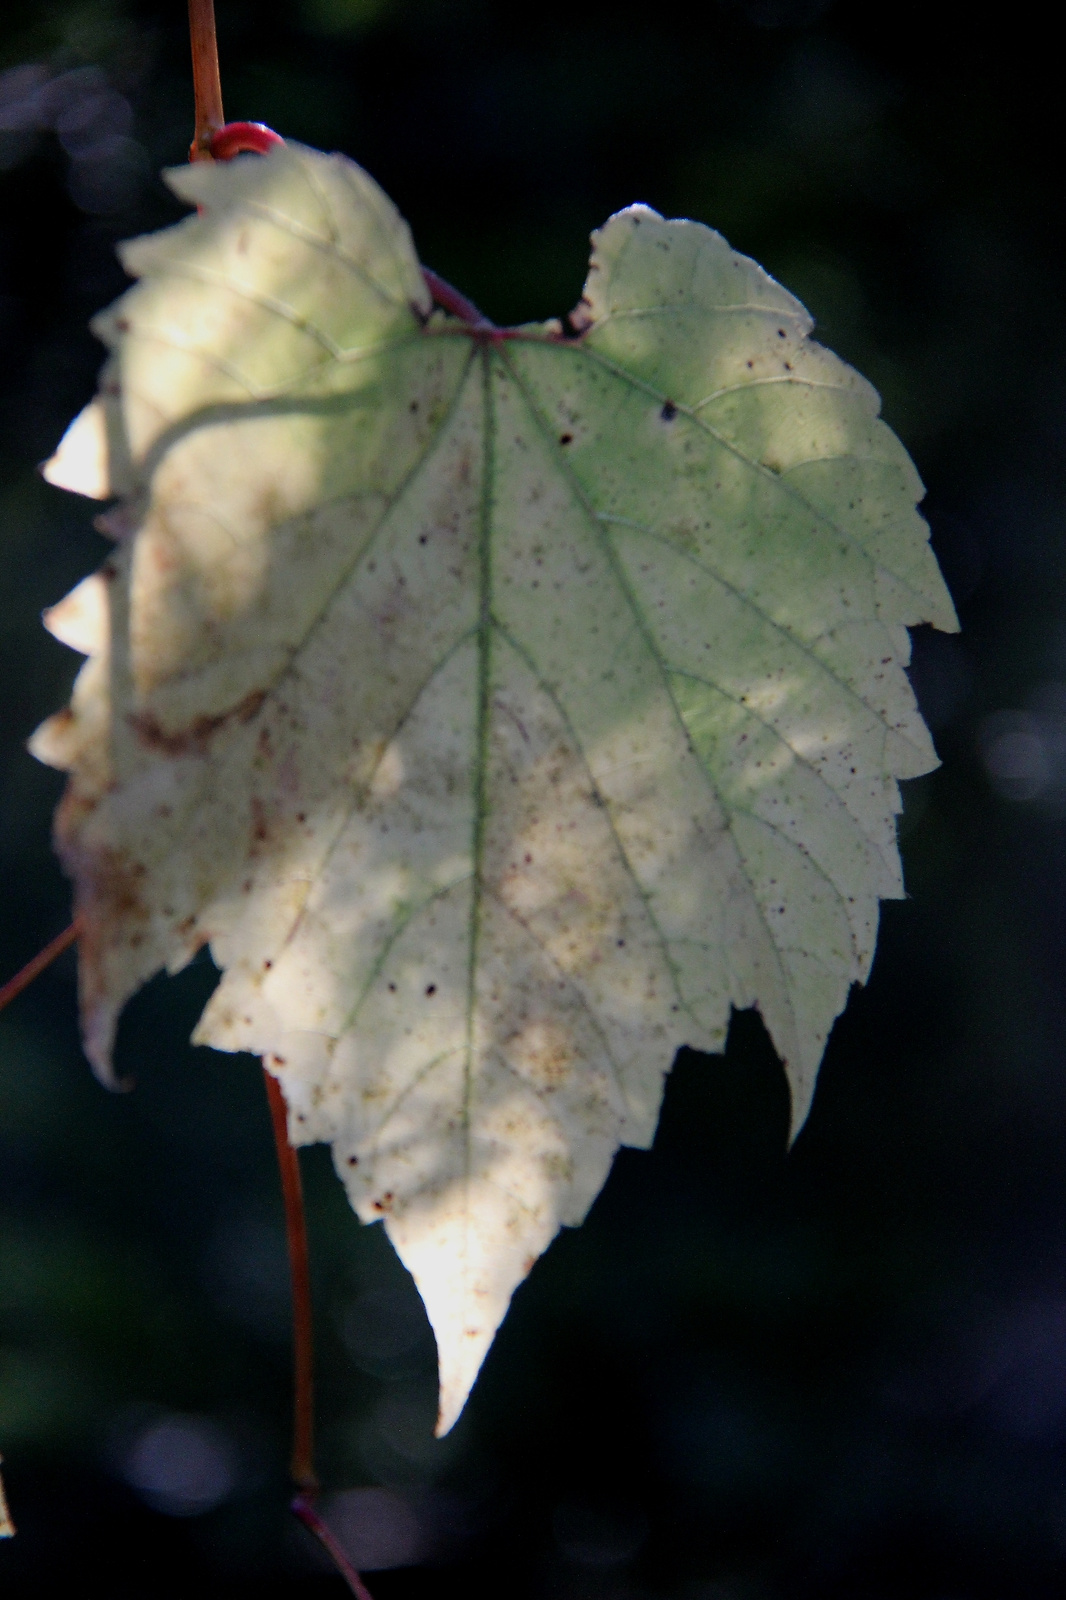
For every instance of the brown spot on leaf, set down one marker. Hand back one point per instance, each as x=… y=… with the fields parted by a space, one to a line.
x=192 y=740
x=260 y=830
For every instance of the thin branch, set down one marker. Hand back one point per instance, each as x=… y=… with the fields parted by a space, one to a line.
x=303 y=1357
x=305 y=1511
x=303 y=1468
x=33 y=969
x=206 y=84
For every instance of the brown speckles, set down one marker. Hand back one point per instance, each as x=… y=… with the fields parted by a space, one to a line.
x=260 y=831
x=116 y=894
x=557 y=1167
x=192 y=740
x=569 y=957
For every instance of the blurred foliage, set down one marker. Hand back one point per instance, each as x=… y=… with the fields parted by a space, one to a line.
x=753 y=1374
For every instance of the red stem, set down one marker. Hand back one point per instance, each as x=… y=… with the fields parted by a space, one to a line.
x=450 y=299
x=303 y=1469
x=303 y=1509
x=303 y=1354
x=206 y=85
x=33 y=969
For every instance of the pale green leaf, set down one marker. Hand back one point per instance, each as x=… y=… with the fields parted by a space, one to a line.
x=501 y=709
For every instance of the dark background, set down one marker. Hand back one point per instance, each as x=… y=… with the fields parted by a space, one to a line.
x=753 y=1374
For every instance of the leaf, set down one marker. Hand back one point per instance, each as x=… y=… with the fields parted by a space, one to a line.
x=502 y=707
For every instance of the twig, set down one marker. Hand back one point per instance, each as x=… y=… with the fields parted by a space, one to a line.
x=303 y=1509
x=33 y=969
x=206 y=84
x=303 y=1468
x=303 y=1358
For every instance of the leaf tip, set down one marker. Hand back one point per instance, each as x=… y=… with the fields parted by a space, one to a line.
x=98 y=1042
x=80 y=463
